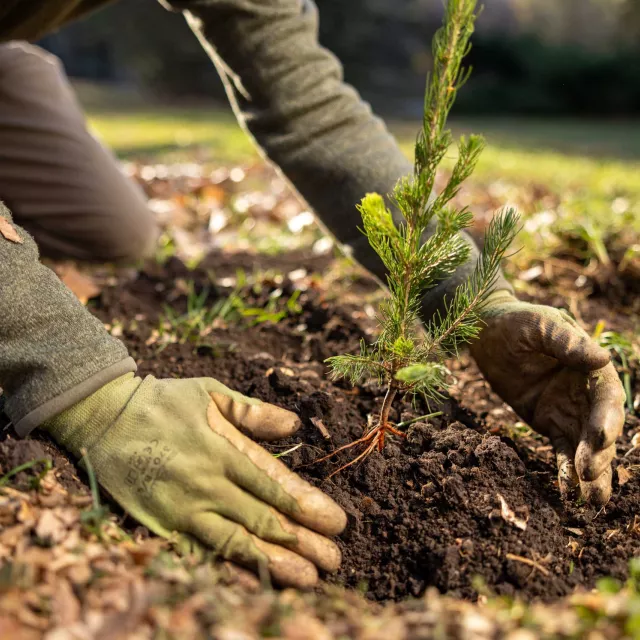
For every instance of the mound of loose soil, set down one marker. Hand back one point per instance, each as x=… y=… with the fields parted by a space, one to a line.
x=466 y=503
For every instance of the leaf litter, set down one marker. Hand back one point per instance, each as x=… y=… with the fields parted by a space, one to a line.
x=59 y=580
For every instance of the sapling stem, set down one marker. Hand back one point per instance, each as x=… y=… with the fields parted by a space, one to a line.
x=418 y=254
x=387 y=403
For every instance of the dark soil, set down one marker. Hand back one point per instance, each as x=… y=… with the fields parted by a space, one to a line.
x=426 y=511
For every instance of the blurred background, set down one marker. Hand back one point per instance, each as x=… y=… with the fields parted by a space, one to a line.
x=555 y=89
x=531 y=57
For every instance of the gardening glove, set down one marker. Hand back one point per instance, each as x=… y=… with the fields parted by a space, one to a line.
x=542 y=363
x=171 y=454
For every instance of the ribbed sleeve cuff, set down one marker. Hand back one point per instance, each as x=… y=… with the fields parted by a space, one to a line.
x=26 y=424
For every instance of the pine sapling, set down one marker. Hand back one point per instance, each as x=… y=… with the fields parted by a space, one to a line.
x=406 y=359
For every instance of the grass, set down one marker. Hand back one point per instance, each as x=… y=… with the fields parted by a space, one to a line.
x=570 y=178
x=206 y=311
x=156 y=132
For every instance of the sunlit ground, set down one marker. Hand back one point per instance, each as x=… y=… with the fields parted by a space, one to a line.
x=570 y=177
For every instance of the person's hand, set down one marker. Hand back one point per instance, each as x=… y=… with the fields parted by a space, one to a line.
x=170 y=453
x=542 y=363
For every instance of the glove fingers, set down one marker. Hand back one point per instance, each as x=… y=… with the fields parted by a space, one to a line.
x=552 y=335
x=592 y=464
x=567 y=474
x=270 y=525
x=606 y=417
x=598 y=492
x=305 y=504
x=234 y=504
x=262 y=420
x=320 y=550
x=233 y=542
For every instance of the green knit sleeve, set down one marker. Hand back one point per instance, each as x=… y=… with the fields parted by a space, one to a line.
x=288 y=93
x=53 y=352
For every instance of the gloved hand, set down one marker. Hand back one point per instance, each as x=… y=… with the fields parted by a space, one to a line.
x=170 y=453
x=542 y=363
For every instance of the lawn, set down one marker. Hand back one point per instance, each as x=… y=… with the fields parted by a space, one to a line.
x=567 y=177
x=602 y=159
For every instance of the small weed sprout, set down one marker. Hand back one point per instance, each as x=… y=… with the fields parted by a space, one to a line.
x=95 y=518
x=34 y=483
x=202 y=316
x=625 y=353
x=405 y=359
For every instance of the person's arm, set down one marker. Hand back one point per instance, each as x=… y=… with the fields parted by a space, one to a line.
x=170 y=452
x=289 y=93
x=53 y=353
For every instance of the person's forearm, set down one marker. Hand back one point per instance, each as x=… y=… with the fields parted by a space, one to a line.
x=289 y=94
x=53 y=352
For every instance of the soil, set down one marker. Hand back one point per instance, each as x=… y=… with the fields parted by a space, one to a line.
x=427 y=511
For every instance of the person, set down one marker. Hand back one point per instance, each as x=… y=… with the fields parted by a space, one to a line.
x=171 y=452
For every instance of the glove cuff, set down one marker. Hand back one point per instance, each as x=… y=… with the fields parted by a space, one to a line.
x=72 y=396
x=79 y=427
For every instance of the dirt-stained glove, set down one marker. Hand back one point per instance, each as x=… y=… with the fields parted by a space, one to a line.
x=542 y=363
x=171 y=454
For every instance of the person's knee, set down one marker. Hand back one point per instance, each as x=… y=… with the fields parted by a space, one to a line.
x=127 y=238
x=97 y=234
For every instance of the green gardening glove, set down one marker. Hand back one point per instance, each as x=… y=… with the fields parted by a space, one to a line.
x=170 y=453
x=542 y=363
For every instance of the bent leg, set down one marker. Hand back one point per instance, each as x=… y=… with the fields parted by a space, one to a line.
x=61 y=184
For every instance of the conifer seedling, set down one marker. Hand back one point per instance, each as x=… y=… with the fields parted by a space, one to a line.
x=406 y=359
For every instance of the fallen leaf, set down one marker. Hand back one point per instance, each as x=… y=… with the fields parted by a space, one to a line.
x=11 y=628
x=50 y=528
x=623 y=475
x=65 y=606
x=509 y=515
x=145 y=551
x=302 y=626
x=81 y=285
x=9 y=232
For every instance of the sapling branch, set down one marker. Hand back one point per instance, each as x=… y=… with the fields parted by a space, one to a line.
x=404 y=359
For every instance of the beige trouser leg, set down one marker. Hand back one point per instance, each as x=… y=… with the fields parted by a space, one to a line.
x=59 y=182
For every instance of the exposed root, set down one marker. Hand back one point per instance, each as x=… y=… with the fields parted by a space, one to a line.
x=532 y=563
x=373 y=439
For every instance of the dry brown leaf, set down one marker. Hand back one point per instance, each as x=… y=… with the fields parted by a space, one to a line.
x=50 y=528
x=79 y=574
x=9 y=232
x=509 y=515
x=81 y=285
x=11 y=535
x=624 y=475
x=182 y=621
x=26 y=513
x=64 y=561
x=574 y=545
x=11 y=628
x=65 y=606
x=145 y=551
x=302 y=626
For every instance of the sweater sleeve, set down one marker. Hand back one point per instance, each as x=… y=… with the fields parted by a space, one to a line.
x=53 y=352
x=288 y=93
